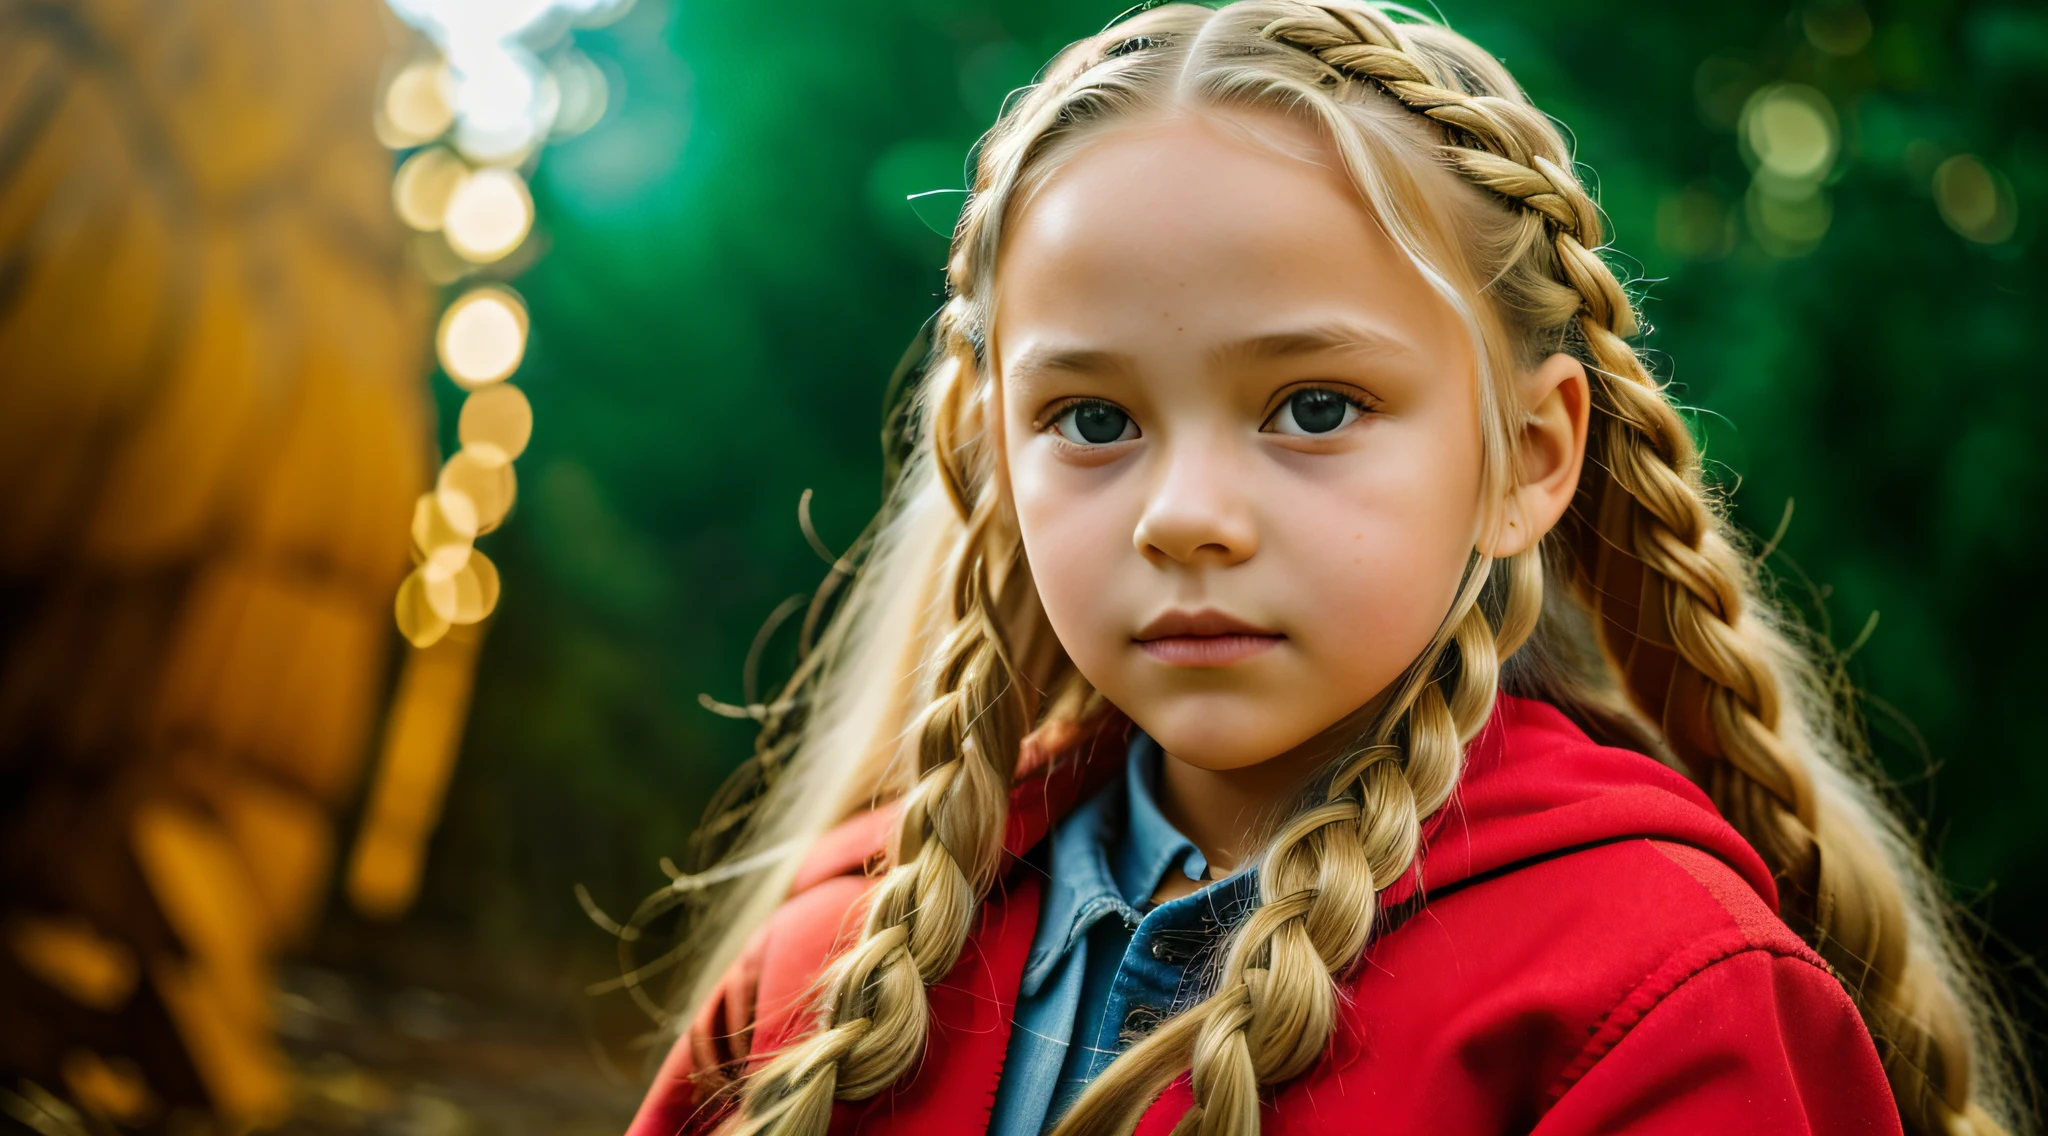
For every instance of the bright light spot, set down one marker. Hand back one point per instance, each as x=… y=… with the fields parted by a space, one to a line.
x=466 y=596
x=483 y=336
x=484 y=576
x=1792 y=131
x=421 y=625
x=584 y=93
x=424 y=185
x=496 y=423
x=416 y=104
x=489 y=487
x=443 y=525
x=488 y=214
x=497 y=103
x=503 y=101
x=1975 y=199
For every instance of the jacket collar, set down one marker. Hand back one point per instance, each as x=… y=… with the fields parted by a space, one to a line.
x=1059 y=765
x=1533 y=785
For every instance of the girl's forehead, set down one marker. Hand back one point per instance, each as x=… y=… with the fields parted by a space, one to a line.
x=1195 y=226
x=1153 y=172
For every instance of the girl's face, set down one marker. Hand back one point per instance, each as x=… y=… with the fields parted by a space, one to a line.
x=1241 y=434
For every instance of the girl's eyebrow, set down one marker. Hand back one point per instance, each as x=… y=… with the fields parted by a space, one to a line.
x=1313 y=339
x=1036 y=362
x=1336 y=335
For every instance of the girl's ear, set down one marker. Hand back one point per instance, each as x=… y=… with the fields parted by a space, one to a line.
x=1550 y=447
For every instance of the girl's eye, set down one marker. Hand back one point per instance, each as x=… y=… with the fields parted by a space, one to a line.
x=1313 y=411
x=1095 y=424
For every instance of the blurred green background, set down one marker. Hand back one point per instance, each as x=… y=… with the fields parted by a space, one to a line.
x=730 y=271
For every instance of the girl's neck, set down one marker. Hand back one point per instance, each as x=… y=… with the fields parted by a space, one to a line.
x=1222 y=811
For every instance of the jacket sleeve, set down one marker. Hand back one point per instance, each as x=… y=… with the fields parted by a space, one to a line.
x=1758 y=1042
x=760 y=1002
x=708 y=1056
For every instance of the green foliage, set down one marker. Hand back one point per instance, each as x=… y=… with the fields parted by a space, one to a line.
x=733 y=271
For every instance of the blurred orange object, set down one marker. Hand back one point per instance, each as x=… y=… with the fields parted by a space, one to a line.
x=212 y=429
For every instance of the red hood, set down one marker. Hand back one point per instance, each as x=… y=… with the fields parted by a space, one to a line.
x=1534 y=785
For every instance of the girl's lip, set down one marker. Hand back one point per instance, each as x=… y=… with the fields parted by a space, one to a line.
x=1207 y=650
x=1206 y=638
x=1206 y=622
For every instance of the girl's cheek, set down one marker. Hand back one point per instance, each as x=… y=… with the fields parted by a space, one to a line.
x=1074 y=537
x=1380 y=587
x=1370 y=568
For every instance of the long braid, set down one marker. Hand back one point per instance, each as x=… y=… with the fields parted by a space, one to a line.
x=1673 y=594
x=871 y=1016
x=1276 y=994
x=1722 y=709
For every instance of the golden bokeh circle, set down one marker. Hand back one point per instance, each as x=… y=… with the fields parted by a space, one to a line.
x=489 y=486
x=467 y=596
x=1975 y=200
x=443 y=525
x=1792 y=131
x=584 y=93
x=488 y=214
x=496 y=423
x=417 y=107
x=482 y=337
x=421 y=190
x=421 y=625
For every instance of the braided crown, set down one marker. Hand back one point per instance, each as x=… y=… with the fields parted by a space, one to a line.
x=1511 y=150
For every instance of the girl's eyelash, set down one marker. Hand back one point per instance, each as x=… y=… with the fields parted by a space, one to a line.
x=1050 y=416
x=1352 y=395
x=1365 y=403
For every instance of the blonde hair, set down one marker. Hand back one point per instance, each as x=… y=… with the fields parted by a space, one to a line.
x=939 y=659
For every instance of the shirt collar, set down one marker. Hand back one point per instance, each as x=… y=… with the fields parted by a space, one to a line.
x=1080 y=889
x=1108 y=857
x=1153 y=846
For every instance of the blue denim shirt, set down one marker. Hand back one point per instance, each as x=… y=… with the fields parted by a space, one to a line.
x=1105 y=963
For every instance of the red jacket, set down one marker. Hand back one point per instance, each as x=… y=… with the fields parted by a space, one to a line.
x=1590 y=949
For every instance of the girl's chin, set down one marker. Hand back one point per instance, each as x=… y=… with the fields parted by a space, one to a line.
x=1220 y=732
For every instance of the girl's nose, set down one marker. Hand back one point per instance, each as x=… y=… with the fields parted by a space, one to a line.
x=1199 y=512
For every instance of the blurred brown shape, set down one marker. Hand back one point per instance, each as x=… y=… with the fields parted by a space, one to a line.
x=113 y=1090
x=420 y=742
x=212 y=428
x=69 y=955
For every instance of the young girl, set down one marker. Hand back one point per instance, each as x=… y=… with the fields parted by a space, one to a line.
x=1207 y=743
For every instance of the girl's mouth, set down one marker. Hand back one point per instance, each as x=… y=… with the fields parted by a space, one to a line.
x=1205 y=638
